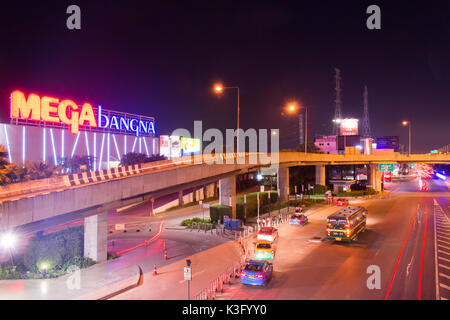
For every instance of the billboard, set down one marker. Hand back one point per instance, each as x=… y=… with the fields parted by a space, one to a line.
x=175 y=147
x=190 y=146
x=164 y=149
x=388 y=142
x=349 y=127
x=170 y=146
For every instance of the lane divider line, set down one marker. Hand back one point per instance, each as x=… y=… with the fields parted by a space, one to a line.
x=423 y=253
x=400 y=255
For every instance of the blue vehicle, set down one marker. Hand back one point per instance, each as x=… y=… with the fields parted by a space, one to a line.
x=257 y=272
x=298 y=219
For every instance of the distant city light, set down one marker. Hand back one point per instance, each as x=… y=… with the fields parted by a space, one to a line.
x=441 y=176
x=259 y=177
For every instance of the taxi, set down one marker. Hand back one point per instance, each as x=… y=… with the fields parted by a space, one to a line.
x=264 y=250
x=256 y=272
x=267 y=234
x=342 y=202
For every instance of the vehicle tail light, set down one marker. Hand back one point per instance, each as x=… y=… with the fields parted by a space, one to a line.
x=260 y=276
x=243 y=274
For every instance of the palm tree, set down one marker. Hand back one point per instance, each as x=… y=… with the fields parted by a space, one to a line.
x=39 y=170
x=6 y=169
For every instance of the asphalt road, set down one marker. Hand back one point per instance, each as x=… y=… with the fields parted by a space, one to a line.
x=308 y=268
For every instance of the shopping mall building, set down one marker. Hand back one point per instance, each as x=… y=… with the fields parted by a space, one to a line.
x=48 y=129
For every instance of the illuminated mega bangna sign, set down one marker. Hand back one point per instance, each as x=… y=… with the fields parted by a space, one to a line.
x=53 y=111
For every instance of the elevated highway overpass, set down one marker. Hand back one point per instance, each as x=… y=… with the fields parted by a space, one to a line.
x=92 y=195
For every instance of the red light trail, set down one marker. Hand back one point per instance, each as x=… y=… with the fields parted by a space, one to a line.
x=146 y=241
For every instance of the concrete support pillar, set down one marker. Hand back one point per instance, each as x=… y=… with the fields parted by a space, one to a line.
x=375 y=177
x=283 y=183
x=227 y=193
x=320 y=174
x=95 y=237
x=180 y=198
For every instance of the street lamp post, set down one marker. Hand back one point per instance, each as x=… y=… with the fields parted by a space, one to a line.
x=219 y=89
x=408 y=123
x=292 y=108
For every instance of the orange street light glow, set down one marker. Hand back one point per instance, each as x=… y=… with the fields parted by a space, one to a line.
x=405 y=123
x=218 y=88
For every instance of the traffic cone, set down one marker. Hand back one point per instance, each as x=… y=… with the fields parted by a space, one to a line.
x=155 y=272
x=165 y=255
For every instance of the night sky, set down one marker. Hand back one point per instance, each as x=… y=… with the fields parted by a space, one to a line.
x=161 y=59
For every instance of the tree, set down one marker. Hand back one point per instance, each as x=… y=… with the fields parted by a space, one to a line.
x=38 y=170
x=77 y=164
x=7 y=170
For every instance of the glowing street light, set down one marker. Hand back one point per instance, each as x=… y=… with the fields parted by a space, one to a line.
x=292 y=107
x=218 y=88
x=408 y=123
x=8 y=241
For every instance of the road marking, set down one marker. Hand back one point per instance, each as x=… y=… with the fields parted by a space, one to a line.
x=442 y=251
x=435 y=250
x=444 y=286
x=442 y=258
x=440 y=245
x=444 y=266
x=443 y=241
x=444 y=275
x=423 y=253
x=400 y=255
x=441 y=236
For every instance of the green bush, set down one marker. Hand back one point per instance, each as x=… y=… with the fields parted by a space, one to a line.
x=55 y=249
x=319 y=189
x=357 y=193
x=217 y=212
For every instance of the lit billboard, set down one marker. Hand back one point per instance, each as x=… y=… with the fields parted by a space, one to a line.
x=349 y=127
x=190 y=146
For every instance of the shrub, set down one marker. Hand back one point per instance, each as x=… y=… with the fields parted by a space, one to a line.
x=55 y=249
x=217 y=212
x=319 y=189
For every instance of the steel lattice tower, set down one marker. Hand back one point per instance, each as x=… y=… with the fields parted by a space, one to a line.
x=338 y=101
x=366 y=120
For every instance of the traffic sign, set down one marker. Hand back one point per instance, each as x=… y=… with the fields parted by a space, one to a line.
x=386 y=167
x=187 y=273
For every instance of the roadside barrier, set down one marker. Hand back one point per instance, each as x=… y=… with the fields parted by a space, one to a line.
x=155 y=272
